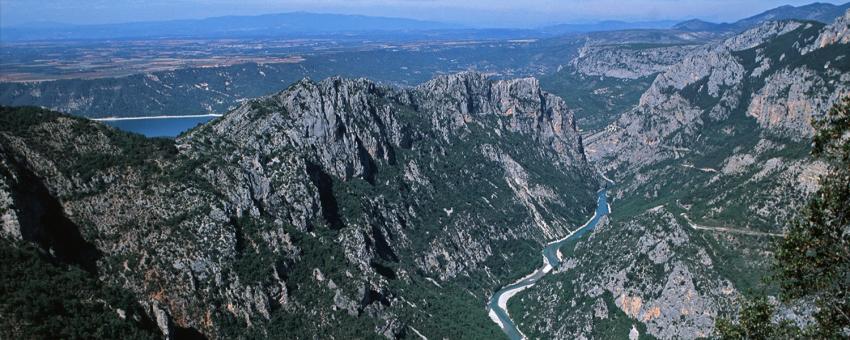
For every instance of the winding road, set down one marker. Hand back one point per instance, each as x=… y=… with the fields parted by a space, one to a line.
x=729 y=230
x=498 y=305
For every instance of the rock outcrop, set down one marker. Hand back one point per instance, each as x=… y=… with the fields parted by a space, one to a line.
x=628 y=62
x=710 y=166
x=656 y=274
x=324 y=207
x=761 y=73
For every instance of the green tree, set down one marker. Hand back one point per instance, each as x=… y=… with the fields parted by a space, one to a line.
x=813 y=261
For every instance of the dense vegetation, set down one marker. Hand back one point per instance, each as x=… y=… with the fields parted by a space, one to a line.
x=596 y=100
x=813 y=260
x=126 y=149
x=43 y=299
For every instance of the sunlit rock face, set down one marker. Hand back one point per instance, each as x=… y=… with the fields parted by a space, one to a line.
x=330 y=201
x=710 y=166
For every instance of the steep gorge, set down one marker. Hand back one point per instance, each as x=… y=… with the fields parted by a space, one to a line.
x=347 y=208
x=340 y=207
x=711 y=165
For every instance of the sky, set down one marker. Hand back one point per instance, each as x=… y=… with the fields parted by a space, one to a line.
x=473 y=13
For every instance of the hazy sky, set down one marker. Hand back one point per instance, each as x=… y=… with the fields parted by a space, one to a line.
x=490 y=13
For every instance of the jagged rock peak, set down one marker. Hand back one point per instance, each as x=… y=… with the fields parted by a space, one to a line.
x=760 y=34
x=449 y=101
x=716 y=62
x=470 y=81
x=836 y=33
x=476 y=91
x=352 y=123
x=483 y=94
x=521 y=103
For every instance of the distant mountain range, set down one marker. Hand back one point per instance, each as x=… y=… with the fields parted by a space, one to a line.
x=302 y=24
x=610 y=25
x=822 y=12
x=296 y=23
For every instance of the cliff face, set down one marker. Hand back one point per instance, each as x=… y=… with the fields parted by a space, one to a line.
x=710 y=166
x=629 y=62
x=339 y=207
x=769 y=73
x=738 y=111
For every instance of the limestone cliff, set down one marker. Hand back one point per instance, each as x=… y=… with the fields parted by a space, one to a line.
x=340 y=207
x=710 y=166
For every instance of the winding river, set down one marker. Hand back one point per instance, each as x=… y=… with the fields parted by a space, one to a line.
x=498 y=305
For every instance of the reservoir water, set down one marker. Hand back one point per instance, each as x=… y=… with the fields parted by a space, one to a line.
x=159 y=126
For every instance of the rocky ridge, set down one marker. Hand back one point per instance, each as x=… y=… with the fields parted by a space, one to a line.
x=332 y=201
x=712 y=83
x=710 y=164
x=628 y=62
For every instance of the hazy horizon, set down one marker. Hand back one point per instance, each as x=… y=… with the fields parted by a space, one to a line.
x=472 y=13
